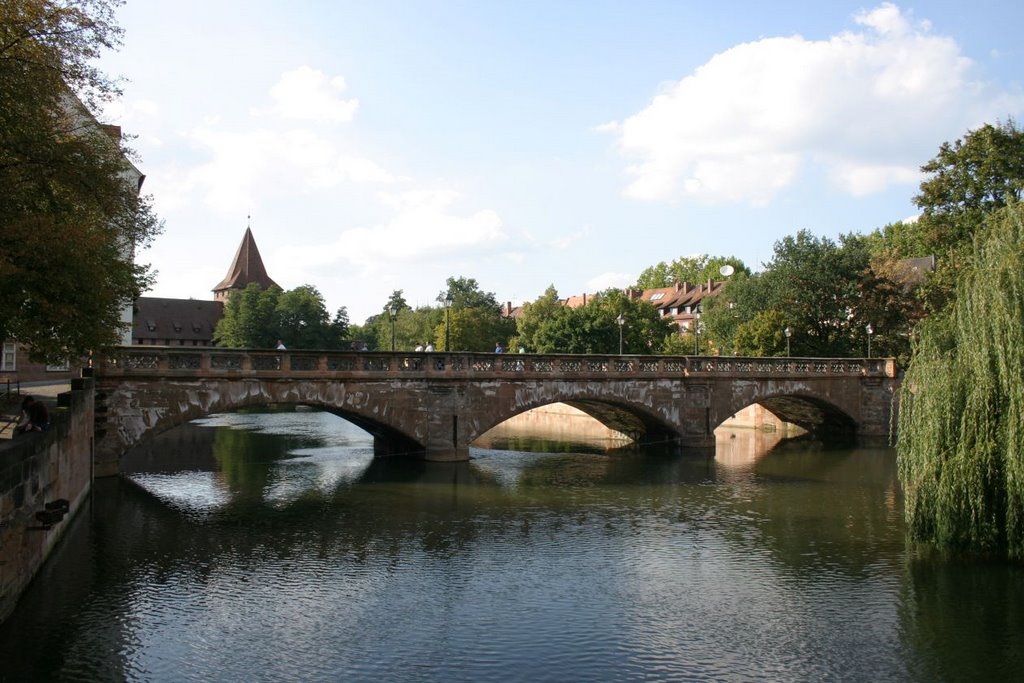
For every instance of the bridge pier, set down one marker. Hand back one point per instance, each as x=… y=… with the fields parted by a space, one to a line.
x=385 y=446
x=447 y=454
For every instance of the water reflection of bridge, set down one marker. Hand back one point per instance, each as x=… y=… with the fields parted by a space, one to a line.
x=437 y=404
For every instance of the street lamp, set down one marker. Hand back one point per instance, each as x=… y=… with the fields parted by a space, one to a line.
x=789 y=333
x=447 y=321
x=621 y=321
x=393 y=312
x=870 y=330
x=696 y=333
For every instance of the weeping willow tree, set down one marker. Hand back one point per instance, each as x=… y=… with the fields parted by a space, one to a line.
x=961 y=425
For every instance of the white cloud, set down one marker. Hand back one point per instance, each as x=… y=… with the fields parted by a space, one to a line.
x=867 y=107
x=885 y=19
x=424 y=226
x=125 y=112
x=282 y=151
x=605 y=281
x=306 y=94
x=236 y=165
x=863 y=179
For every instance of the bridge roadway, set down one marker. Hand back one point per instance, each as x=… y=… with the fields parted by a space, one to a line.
x=435 y=404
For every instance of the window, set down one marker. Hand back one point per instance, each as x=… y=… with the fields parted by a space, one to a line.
x=659 y=295
x=176 y=325
x=59 y=367
x=151 y=325
x=7 y=360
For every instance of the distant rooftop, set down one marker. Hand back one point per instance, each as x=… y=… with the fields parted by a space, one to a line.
x=246 y=269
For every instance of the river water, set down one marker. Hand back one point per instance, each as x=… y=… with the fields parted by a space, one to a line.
x=272 y=547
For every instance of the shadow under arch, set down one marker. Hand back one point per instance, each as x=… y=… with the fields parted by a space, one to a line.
x=627 y=419
x=821 y=420
x=387 y=440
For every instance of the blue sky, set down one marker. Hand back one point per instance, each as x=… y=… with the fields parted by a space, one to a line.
x=389 y=145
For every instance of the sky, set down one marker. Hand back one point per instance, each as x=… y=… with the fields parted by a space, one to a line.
x=389 y=145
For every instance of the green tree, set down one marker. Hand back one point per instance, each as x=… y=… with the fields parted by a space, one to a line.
x=256 y=318
x=535 y=314
x=340 y=326
x=303 y=321
x=476 y=321
x=396 y=302
x=813 y=283
x=549 y=327
x=968 y=180
x=475 y=329
x=692 y=269
x=379 y=327
x=69 y=219
x=363 y=334
x=961 y=423
x=250 y=319
x=416 y=327
x=762 y=335
x=466 y=293
x=889 y=302
x=722 y=316
x=825 y=292
x=644 y=331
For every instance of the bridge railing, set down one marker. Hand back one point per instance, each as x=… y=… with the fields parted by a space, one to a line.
x=169 y=361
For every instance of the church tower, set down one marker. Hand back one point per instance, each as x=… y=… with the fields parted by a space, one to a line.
x=245 y=269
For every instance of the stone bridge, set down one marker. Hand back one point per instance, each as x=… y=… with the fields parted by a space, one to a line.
x=435 y=404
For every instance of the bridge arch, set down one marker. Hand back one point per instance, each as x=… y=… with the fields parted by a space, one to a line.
x=616 y=405
x=145 y=411
x=815 y=414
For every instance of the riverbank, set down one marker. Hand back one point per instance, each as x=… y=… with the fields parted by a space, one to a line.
x=44 y=479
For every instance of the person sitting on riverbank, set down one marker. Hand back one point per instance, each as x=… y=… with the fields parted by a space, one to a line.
x=35 y=416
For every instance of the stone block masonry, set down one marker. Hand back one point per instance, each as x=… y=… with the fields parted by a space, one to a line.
x=44 y=479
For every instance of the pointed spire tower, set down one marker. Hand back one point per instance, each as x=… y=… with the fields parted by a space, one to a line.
x=245 y=269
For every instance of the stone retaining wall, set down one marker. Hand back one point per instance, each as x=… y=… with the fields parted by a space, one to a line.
x=44 y=478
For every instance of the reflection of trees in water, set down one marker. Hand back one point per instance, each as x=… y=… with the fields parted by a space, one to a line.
x=801 y=510
x=950 y=619
x=805 y=507
x=532 y=444
x=812 y=507
x=247 y=459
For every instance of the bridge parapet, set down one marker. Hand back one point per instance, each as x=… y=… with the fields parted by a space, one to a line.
x=238 y=363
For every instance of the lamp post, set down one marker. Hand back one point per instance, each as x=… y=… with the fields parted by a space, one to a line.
x=696 y=333
x=447 y=321
x=393 y=312
x=789 y=333
x=870 y=330
x=621 y=321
